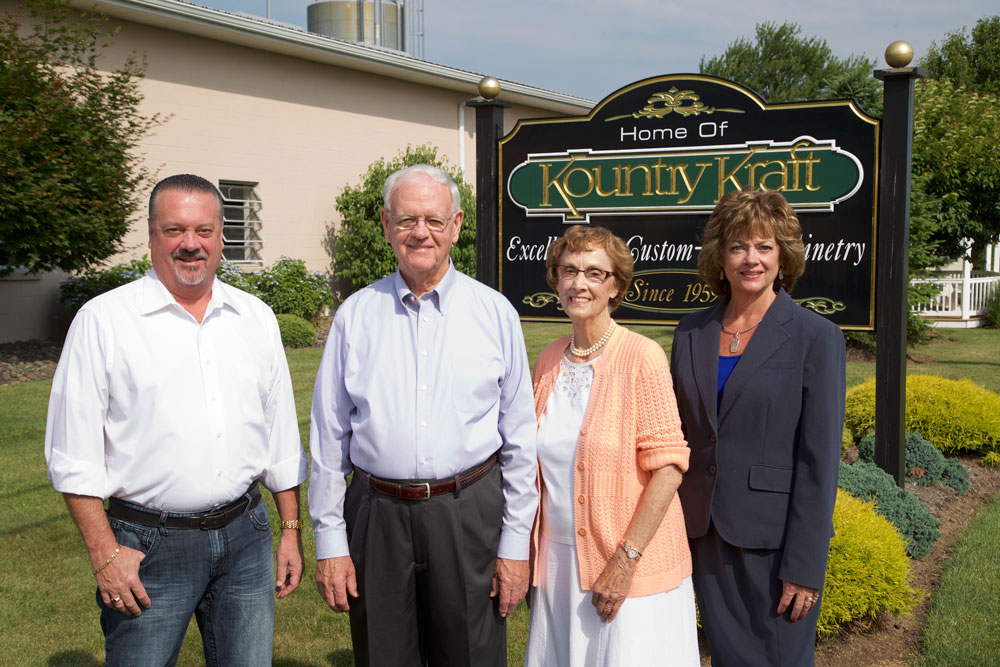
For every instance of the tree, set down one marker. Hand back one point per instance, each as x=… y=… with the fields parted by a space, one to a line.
x=67 y=137
x=784 y=67
x=361 y=253
x=973 y=61
x=955 y=135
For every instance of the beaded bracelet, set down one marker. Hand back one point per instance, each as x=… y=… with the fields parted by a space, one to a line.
x=108 y=561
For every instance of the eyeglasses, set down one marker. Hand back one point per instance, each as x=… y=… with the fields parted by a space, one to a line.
x=436 y=222
x=592 y=274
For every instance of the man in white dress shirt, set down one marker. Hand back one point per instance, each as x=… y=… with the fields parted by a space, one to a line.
x=424 y=392
x=173 y=400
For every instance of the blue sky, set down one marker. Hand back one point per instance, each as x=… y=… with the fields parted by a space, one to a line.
x=590 y=48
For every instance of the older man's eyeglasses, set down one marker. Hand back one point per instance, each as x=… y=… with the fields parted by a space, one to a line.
x=436 y=222
x=592 y=274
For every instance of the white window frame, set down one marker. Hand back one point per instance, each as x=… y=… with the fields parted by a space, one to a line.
x=242 y=228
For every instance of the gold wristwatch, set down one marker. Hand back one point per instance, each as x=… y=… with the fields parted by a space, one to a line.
x=294 y=524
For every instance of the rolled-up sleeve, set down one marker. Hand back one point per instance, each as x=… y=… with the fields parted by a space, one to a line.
x=78 y=403
x=659 y=439
x=288 y=466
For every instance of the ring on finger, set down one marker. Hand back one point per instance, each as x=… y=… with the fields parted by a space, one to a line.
x=117 y=599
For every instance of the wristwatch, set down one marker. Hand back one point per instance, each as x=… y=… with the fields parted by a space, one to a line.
x=630 y=552
x=295 y=524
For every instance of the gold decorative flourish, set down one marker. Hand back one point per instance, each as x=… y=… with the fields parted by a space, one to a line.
x=540 y=299
x=682 y=102
x=822 y=305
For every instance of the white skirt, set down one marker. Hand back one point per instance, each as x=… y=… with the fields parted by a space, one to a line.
x=566 y=631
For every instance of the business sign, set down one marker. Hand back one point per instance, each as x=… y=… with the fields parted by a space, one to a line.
x=651 y=161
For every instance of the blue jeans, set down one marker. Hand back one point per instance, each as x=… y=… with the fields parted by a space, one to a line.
x=225 y=577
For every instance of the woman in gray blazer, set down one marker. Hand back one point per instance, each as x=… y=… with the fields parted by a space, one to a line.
x=760 y=384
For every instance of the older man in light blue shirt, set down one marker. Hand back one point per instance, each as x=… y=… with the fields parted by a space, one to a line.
x=424 y=392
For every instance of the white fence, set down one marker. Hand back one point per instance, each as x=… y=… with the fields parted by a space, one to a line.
x=963 y=298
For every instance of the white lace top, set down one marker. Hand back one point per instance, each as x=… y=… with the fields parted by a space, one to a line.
x=558 y=432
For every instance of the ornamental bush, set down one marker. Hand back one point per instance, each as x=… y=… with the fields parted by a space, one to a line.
x=954 y=415
x=900 y=507
x=925 y=464
x=867 y=570
x=295 y=331
x=83 y=287
x=287 y=286
x=361 y=252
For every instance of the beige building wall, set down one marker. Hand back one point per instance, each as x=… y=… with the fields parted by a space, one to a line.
x=300 y=129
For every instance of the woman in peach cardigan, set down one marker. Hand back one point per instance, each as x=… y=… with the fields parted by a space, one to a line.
x=611 y=566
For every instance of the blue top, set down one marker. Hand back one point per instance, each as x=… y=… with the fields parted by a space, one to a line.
x=726 y=366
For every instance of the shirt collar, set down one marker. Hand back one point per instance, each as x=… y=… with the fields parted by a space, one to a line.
x=439 y=296
x=155 y=296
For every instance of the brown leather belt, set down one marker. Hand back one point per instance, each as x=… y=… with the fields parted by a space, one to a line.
x=425 y=490
x=217 y=518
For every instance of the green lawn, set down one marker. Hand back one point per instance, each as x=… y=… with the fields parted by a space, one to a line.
x=47 y=608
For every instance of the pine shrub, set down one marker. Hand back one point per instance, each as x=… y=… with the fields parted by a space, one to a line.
x=925 y=464
x=295 y=331
x=867 y=570
x=954 y=415
x=902 y=508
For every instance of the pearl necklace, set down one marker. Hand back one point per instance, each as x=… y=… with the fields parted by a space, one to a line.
x=593 y=348
x=734 y=345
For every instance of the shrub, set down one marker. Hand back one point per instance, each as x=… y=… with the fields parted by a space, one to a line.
x=910 y=517
x=955 y=475
x=295 y=331
x=361 y=253
x=993 y=309
x=84 y=286
x=925 y=464
x=289 y=288
x=955 y=415
x=867 y=570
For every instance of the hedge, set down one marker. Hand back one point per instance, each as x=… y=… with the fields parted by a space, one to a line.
x=925 y=464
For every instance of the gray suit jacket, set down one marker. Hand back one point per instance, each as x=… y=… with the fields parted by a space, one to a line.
x=764 y=465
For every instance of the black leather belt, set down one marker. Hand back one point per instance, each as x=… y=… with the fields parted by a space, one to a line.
x=425 y=490
x=217 y=518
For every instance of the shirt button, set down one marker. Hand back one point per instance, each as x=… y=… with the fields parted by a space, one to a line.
x=423 y=462
x=423 y=424
x=582 y=532
x=218 y=435
x=580 y=466
x=426 y=319
x=712 y=437
x=712 y=470
x=220 y=473
x=581 y=499
x=423 y=353
x=423 y=387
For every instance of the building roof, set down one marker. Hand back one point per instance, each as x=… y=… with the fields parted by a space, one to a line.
x=275 y=37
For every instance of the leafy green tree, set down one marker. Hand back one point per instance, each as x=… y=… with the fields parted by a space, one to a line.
x=784 y=67
x=968 y=60
x=67 y=137
x=361 y=252
x=955 y=137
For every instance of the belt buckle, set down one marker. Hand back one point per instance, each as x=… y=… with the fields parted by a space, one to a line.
x=427 y=489
x=213 y=521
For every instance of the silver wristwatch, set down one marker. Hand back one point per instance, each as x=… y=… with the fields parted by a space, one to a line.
x=630 y=552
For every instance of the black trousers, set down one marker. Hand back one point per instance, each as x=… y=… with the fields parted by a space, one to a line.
x=738 y=592
x=424 y=572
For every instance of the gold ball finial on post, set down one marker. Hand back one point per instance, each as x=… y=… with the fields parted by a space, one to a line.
x=899 y=54
x=489 y=87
